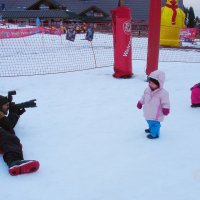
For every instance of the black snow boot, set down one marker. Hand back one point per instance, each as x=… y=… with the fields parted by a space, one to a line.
x=147 y=130
x=195 y=105
x=151 y=137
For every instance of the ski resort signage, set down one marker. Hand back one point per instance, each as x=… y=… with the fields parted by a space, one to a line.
x=24 y=32
x=188 y=34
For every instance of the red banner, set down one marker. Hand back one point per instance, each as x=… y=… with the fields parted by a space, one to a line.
x=188 y=34
x=52 y=31
x=24 y=32
x=121 y=21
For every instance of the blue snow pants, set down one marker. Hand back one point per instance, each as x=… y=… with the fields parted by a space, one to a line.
x=154 y=127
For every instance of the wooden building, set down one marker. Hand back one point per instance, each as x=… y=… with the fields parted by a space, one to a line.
x=65 y=10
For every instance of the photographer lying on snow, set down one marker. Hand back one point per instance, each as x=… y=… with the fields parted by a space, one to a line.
x=10 y=145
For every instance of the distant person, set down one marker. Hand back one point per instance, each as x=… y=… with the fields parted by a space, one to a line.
x=10 y=145
x=195 y=95
x=155 y=103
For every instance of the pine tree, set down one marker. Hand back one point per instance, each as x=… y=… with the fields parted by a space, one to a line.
x=197 y=22
x=191 y=18
x=186 y=11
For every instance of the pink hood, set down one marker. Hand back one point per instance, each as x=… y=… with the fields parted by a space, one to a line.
x=159 y=76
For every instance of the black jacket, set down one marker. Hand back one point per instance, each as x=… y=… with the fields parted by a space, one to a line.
x=8 y=122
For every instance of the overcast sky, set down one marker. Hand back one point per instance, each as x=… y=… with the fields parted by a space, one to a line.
x=195 y=4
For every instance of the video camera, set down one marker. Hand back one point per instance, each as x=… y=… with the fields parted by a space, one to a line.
x=27 y=104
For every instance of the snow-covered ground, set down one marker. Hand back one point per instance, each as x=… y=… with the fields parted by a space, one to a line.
x=48 y=54
x=89 y=137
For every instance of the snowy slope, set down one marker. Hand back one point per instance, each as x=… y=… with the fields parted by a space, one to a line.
x=89 y=138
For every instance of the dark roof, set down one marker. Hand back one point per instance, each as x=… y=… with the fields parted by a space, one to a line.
x=52 y=3
x=17 y=4
x=38 y=13
x=139 y=8
x=94 y=8
x=91 y=18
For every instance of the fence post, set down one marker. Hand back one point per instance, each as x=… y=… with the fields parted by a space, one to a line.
x=153 y=36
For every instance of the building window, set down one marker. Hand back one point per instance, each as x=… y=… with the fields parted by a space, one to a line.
x=92 y=13
x=44 y=7
x=98 y=14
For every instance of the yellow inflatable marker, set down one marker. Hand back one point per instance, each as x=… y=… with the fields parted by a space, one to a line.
x=172 y=21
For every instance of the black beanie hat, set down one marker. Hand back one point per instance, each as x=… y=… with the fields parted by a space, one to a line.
x=154 y=81
x=3 y=100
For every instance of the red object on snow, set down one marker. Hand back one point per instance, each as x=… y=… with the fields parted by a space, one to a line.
x=195 y=94
x=121 y=23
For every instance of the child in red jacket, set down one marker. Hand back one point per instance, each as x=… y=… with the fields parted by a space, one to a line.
x=195 y=95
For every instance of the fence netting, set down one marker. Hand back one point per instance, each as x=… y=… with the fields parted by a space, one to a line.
x=42 y=51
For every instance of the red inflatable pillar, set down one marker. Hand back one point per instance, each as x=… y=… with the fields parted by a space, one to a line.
x=121 y=23
x=153 y=36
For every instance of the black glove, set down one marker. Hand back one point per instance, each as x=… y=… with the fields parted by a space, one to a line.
x=16 y=110
x=21 y=111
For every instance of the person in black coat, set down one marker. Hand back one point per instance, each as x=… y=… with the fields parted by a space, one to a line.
x=10 y=145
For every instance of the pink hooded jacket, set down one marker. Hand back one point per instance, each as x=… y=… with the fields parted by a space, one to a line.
x=195 y=95
x=154 y=101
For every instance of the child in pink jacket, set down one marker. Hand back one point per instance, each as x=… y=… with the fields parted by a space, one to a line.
x=155 y=103
x=195 y=95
